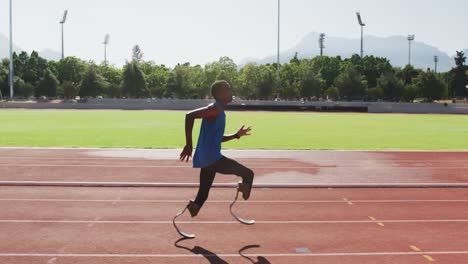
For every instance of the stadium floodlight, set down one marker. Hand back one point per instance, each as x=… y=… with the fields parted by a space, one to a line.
x=410 y=39
x=64 y=19
x=360 y=19
x=362 y=24
x=106 y=41
x=321 y=43
x=436 y=60
x=11 y=52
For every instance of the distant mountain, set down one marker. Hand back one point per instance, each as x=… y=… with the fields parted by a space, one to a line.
x=395 y=48
x=49 y=54
x=5 y=47
x=5 y=50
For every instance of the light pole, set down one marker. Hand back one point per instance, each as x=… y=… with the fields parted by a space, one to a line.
x=106 y=41
x=321 y=43
x=11 y=52
x=362 y=32
x=278 y=46
x=410 y=39
x=63 y=22
x=436 y=60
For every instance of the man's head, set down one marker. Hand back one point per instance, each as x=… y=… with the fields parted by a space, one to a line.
x=221 y=91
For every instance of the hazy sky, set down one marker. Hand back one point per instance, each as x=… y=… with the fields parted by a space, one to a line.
x=201 y=31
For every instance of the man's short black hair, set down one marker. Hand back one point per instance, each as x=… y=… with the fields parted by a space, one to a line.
x=217 y=86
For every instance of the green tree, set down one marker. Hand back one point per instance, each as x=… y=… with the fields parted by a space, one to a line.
x=113 y=78
x=69 y=90
x=407 y=74
x=223 y=69
x=133 y=83
x=289 y=87
x=392 y=87
x=36 y=69
x=247 y=81
x=309 y=83
x=198 y=85
x=375 y=93
x=157 y=80
x=370 y=67
x=137 y=54
x=256 y=81
x=430 y=86
x=20 y=63
x=48 y=85
x=351 y=83
x=70 y=69
x=4 y=71
x=26 y=90
x=93 y=83
x=295 y=59
x=327 y=67
x=410 y=93
x=19 y=86
x=374 y=67
x=178 y=85
x=459 y=78
x=332 y=93
x=265 y=82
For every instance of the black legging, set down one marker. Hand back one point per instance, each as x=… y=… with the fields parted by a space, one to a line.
x=223 y=166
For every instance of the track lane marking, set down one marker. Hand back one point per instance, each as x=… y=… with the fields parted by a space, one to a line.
x=226 y=201
x=415 y=248
x=228 y=222
x=336 y=254
x=233 y=184
x=148 y=166
x=429 y=258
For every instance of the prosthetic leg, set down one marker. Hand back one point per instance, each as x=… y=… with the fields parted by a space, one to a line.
x=241 y=220
x=193 y=208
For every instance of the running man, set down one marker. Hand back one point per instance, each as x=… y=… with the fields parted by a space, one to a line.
x=208 y=155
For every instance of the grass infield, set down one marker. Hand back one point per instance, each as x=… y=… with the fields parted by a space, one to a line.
x=271 y=130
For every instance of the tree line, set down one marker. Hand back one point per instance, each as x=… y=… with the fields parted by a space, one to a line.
x=355 y=78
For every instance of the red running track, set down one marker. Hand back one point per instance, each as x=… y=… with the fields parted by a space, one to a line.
x=299 y=225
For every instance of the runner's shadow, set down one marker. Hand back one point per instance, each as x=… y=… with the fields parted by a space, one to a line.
x=260 y=259
x=215 y=259
x=210 y=256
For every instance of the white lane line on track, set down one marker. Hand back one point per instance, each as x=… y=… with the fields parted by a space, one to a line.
x=234 y=184
x=148 y=166
x=252 y=166
x=229 y=201
x=334 y=254
x=169 y=201
x=29 y=221
x=135 y=159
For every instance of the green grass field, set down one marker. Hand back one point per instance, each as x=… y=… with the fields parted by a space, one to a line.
x=271 y=130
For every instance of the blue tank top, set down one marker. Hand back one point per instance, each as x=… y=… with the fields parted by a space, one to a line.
x=208 y=149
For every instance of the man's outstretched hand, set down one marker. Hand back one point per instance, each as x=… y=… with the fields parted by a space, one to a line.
x=243 y=132
x=186 y=153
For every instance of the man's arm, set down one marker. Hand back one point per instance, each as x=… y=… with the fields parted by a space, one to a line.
x=230 y=137
x=210 y=111
x=242 y=132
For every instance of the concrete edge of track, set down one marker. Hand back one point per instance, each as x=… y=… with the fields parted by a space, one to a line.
x=233 y=149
